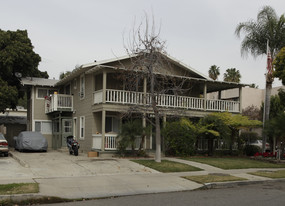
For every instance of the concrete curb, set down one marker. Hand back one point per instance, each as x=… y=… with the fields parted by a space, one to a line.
x=21 y=162
x=23 y=197
x=222 y=185
x=20 y=197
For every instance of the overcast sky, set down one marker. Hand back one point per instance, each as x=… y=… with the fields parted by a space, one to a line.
x=200 y=33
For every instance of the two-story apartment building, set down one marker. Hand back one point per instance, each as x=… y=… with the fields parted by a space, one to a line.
x=90 y=102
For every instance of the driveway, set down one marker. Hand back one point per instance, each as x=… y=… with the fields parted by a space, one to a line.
x=12 y=171
x=63 y=175
x=60 y=164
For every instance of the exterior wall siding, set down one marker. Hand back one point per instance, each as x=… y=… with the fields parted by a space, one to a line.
x=82 y=107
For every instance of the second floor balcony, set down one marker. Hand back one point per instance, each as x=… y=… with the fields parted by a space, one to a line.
x=165 y=100
x=58 y=102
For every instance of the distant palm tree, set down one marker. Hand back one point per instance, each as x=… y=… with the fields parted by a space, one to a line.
x=267 y=27
x=214 y=72
x=232 y=75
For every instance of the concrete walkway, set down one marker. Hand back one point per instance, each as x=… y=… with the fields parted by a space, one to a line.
x=62 y=175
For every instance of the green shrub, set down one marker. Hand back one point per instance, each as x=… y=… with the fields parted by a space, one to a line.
x=226 y=152
x=247 y=137
x=250 y=150
x=179 y=138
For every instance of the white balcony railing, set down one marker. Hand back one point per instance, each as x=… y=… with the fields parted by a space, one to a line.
x=110 y=141
x=164 y=100
x=58 y=102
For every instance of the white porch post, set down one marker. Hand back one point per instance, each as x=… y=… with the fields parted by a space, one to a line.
x=104 y=86
x=240 y=99
x=164 y=120
x=103 y=129
x=205 y=96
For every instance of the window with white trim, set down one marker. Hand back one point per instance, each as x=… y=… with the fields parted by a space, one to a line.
x=75 y=127
x=82 y=86
x=45 y=127
x=82 y=127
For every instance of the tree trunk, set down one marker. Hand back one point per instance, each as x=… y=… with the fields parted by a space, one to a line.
x=274 y=145
x=156 y=115
x=266 y=110
x=157 y=139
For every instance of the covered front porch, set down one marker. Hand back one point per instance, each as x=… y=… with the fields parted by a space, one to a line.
x=106 y=130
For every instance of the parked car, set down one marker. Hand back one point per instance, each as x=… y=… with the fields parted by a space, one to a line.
x=259 y=144
x=32 y=141
x=4 y=149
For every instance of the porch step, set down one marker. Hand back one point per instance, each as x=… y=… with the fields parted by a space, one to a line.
x=107 y=154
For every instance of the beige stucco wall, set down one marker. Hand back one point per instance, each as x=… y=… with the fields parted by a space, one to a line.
x=250 y=96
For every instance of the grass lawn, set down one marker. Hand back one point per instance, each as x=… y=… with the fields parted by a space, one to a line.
x=167 y=166
x=270 y=174
x=19 y=188
x=234 y=163
x=213 y=178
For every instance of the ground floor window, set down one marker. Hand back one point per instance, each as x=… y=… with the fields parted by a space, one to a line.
x=45 y=127
x=112 y=124
x=82 y=127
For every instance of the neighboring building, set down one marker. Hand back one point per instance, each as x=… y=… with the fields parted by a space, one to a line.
x=90 y=102
x=250 y=96
x=37 y=89
x=12 y=122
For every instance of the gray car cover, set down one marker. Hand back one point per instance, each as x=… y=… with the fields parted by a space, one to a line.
x=31 y=141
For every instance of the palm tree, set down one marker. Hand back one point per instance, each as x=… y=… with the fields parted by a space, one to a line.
x=267 y=27
x=232 y=75
x=214 y=72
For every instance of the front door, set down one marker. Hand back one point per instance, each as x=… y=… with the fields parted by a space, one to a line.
x=66 y=130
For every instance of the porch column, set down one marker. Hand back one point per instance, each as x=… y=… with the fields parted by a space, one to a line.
x=240 y=99
x=103 y=129
x=144 y=89
x=205 y=96
x=164 y=120
x=104 y=86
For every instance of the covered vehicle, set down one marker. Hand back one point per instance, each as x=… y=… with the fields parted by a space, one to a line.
x=3 y=145
x=33 y=141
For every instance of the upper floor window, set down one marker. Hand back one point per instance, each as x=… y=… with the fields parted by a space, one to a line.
x=75 y=83
x=82 y=86
x=67 y=89
x=42 y=92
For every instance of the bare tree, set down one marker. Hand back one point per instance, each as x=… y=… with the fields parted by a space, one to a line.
x=150 y=63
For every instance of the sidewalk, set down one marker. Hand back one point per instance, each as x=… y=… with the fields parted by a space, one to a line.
x=67 y=176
